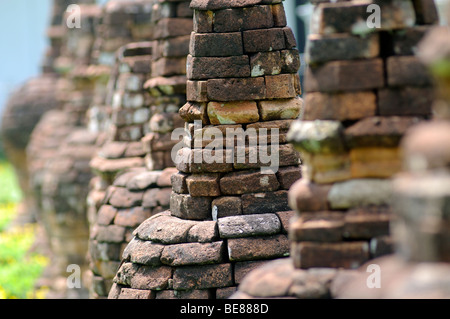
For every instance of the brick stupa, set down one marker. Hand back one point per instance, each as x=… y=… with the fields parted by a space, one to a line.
x=365 y=89
x=142 y=166
x=225 y=218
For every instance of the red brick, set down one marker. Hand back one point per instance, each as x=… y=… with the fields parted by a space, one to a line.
x=280 y=86
x=244 y=182
x=196 y=91
x=231 y=20
x=203 y=185
x=407 y=71
x=407 y=101
x=172 y=27
x=334 y=255
x=340 y=106
x=216 y=44
x=279 y=15
x=241 y=112
x=203 y=21
x=200 y=68
x=264 y=40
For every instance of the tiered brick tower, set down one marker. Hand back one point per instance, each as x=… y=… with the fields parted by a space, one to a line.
x=363 y=93
x=421 y=266
x=226 y=217
x=141 y=187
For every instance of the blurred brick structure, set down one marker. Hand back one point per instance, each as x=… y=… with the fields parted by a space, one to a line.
x=363 y=94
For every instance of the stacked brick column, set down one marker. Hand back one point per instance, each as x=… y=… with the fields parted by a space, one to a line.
x=225 y=218
x=138 y=192
x=420 y=268
x=65 y=172
x=363 y=93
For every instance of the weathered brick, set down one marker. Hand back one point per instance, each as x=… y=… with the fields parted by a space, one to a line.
x=231 y=20
x=257 y=248
x=344 y=46
x=196 y=91
x=335 y=255
x=376 y=162
x=367 y=222
x=280 y=109
x=164 y=229
x=123 y=198
x=233 y=112
x=132 y=217
x=279 y=15
x=349 y=17
x=280 y=86
x=194 y=111
x=216 y=44
x=244 y=182
x=200 y=68
x=339 y=106
x=188 y=207
x=203 y=21
x=264 y=40
x=128 y=293
x=345 y=75
x=151 y=278
x=226 y=206
x=202 y=277
x=426 y=12
x=203 y=232
x=290 y=61
x=223 y=4
x=306 y=196
x=408 y=101
x=236 y=89
x=261 y=203
x=106 y=215
x=193 y=254
x=265 y=63
x=407 y=71
x=249 y=225
x=169 y=66
x=172 y=27
x=203 y=185
x=172 y=47
x=378 y=131
x=317 y=227
x=111 y=234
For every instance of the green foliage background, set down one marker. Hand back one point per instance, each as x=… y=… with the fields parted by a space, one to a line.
x=19 y=268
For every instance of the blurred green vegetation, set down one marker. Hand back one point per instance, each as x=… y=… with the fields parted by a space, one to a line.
x=19 y=268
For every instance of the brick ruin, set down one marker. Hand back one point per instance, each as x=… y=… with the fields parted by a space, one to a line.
x=363 y=95
x=28 y=104
x=140 y=184
x=59 y=153
x=224 y=218
x=145 y=222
